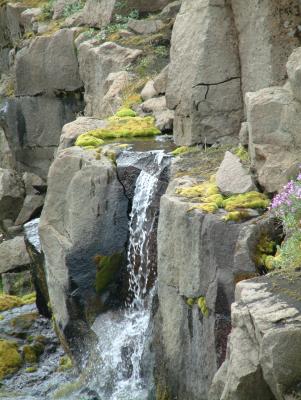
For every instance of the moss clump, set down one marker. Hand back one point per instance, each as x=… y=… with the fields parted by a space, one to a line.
x=201 y=191
x=242 y=153
x=236 y=216
x=180 y=150
x=30 y=370
x=7 y=302
x=88 y=141
x=264 y=253
x=190 y=301
x=107 y=267
x=126 y=112
x=29 y=354
x=65 y=363
x=202 y=304
x=121 y=127
x=247 y=200
x=10 y=359
x=29 y=298
x=209 y=208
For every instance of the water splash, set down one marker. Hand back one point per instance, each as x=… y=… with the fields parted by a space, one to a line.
x=123 y=335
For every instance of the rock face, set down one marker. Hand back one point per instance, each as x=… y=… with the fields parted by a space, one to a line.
x=85 y=217
x=205 y=93
x=11 y=194
x=200 y=259
x=48 y=65
x=263 y=361
x=96 y=63
x=232 y=177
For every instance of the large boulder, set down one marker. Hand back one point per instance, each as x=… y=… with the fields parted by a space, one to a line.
x=268 y=32
x=13 y=254
x=204 y=80
x=11 y=194
x=48 y=65
x=33 y=125
x=84 y=221
x=96 y=63
x=263 y=361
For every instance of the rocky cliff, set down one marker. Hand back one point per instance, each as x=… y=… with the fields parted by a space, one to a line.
x=82 y=82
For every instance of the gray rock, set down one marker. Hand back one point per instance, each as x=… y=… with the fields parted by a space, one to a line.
x=6 y=158
x=33 y=126
x=147 y=6
x=17 y=283
x=28 y=18
x=160 y=81
x=145 y=26
x=164 y=120
x=171 y=10
x=294 y=72
x=244 y=134
x=85 y=215
x=32 y=207
x=96 y=63
x=156 y=104
x=13 y=254
x=98 y=13
x=33 y=183
x=75 y=128
x=149 y=91
x=48 y=65
x=232 y=177
x=115 y=85
x=11 y=194
x=59 y=7
x=205 y=92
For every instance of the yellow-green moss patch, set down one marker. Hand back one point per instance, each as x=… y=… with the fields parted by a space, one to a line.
x=7 y=302
x=10 y=358
x=202 y=304
x=65 y=363
x=30 y=370
x=107 y=267
x=247 y=200
x=126 y=112
x=236 y=216
x=88 y=141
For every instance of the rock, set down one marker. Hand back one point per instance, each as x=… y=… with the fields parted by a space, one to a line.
x=149 y=91
x=37 y=266
x=268 y=33
x=28 y=17
x=96 y=63
x=232 y=177
x=171 y=10
x=48 y=65
x=6 y=158
x=156 y=104
x=72 y=130
x=274 y=129
x=205 y=93
x=84 y=218
x=244 y=134
x=293 y=67
x=59 y=7
x=32 y=208
x=146 y=6
x=262 y=357
x=33 y=126
x=160 y=81
x=10 y=23
x=33 y=184
x=145 y=26
x=17 y=283
x=13 y=254
x=115 y=84
x=98 y=13
x=11 y=194
x=164 y=120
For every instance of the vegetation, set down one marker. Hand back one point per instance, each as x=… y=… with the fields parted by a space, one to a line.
x=7 y=301
x=106 y=269
x=72 y=8
x=10 y=358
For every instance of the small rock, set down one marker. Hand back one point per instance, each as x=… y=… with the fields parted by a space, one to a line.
x=11 y=194
x=232 y=177
x=145 y=26
x=160 y=82
x=33 y=204
x=154 y=105
x=244 y=134
x=164 y=120
x=171 y=10
x=17 y=283
x=33 y=183
x=13 y=254
x=148 y=91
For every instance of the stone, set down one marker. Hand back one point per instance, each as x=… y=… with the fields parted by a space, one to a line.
x=37 y=266
x=154 y=105
x=171 y=10
x=244 y=134
x=96 y=64
x=59 y=7
x=274 y=135
x=33 y=184
x=232 y=177
x=262 y=357
x=13 y=254
x=164 y=120
x=145 y=26
x=205 y=93
x=48 y=65
x=84 y=217
x=97 y=13
x=33 y=126
x=28 y=17
x=32 y=208
x=293 y=67
x=73 y=129
x=149 y=91
x=146 y=6
x=160 y=81
x=6 y=157
x=17 y=283
x=268 y=33
x=115 y=85
x=11 y=194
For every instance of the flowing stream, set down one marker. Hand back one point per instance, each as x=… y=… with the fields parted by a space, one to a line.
x=124 y=369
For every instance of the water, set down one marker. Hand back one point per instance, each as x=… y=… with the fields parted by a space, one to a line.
x=123 y=336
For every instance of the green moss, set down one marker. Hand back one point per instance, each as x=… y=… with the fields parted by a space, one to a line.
x=265 y=250
x=107 y=267
x=247 y=200
x=30 y=370
x=236 y=216
x=29 y=298
x=209 y=208
x=88 y=141
x=190 y=301
x=7 y=302
x=202 y=304
x=126 y=112
x=29 y=354
x=242 y=153
x=120 y=127
x=201 y=191
x=10 y=358
x=65 y=363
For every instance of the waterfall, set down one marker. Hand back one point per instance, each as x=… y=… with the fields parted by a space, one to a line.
x=123 y=334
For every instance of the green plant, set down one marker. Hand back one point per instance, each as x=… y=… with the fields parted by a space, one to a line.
x=47 y=11
x=72 y=8
x=161 y=51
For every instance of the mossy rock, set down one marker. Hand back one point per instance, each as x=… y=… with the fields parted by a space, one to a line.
x=126 y=112
x=247 y=200
x=7 y=302
x=29 y=354
x=65 y=364
x=107 y=268
x=10 y=358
